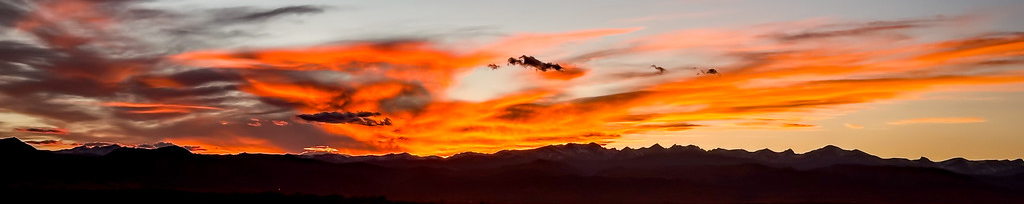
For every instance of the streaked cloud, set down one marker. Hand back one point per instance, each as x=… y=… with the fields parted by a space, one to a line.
x=42 y=130
x=157 y=108
x=853 y=126
x=663 y=17
x=319 y=149
x=43 y=142
x=939 y=120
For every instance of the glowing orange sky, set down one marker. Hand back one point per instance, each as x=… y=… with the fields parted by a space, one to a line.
x=780 y=76
x=787 y=84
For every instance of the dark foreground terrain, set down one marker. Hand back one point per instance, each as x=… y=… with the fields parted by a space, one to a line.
x=573 y=173
x=172 y=196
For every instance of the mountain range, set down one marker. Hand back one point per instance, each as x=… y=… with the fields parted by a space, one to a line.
x=570 y=173
x=594 y=156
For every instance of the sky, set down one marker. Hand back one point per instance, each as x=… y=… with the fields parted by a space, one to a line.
x=938 y=79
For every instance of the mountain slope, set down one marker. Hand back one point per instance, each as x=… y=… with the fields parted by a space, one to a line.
x=574 y=173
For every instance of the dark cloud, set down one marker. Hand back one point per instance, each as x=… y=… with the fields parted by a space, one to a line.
x=710 y=72
x=195 y=77
x=65 y=60
x=188 y=95
x=359 y=118
x=520 y=112
x=43 y=130
x=247 y=15
x=68 y=64
x=414 y=97
x=532 y=62
x=211 y=25
x=661 y=70
x=11 y=11
x=798 y=125
x=43 y=142
x=12 y=52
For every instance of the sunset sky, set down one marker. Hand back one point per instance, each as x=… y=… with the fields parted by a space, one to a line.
x=939 y=79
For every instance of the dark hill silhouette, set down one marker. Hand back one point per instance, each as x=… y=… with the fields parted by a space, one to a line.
x=170 y=196
x=14 y=146
x=571 y=173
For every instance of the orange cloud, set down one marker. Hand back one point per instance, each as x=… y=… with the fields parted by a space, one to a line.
x=280 y=122
x=151 y=108
x=43 y=142
x=157 y=105
x=943 y=120
x=254 y=122
x=51 y=144
x=228 y=144
x=319 y=149
x=160 y=82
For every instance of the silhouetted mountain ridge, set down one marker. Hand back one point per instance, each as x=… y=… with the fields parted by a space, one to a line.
x=818 y=158
x=570 y=173
x=826 y=156
x=15 y=146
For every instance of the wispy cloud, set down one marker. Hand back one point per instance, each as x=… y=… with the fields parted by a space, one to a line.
x=42 y=130
x=939 y=120
x=853 y=126
x=662 y=17
x=143 y=108
x=43 y=142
